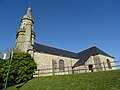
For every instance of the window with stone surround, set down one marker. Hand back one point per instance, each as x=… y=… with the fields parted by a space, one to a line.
x=54 y=64
x=61 y=64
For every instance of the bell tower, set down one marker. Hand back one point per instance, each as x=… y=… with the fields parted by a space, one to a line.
x=25 y=35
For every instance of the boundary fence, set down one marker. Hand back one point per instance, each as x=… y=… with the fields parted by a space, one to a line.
x=84 y=68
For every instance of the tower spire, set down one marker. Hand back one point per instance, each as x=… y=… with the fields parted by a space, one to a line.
x=25 y=35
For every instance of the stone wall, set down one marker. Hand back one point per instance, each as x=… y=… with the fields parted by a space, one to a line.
x=98 y=67
x=44 y=61
x=104 y=60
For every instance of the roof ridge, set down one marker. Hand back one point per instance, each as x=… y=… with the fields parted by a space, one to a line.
x=86 y=49
x=96 y=49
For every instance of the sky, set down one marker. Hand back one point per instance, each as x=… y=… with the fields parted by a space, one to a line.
x=72 y=25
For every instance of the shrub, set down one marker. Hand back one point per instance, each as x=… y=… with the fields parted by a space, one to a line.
x=22 y=69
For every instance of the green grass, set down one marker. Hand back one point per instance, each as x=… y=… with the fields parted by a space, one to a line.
x=109 y=80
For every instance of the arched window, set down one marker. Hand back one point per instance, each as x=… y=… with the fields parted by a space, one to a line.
x=54 y=64
x=61 y=64
x=97 y=63
x=109 y=64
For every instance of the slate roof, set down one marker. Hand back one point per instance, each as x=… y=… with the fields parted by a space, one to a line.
x=84 y=55
x=55 y=51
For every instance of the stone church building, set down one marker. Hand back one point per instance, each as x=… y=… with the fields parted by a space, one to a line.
x=51 y=59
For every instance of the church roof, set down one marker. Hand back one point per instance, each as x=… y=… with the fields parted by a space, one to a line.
x=84 y=55
x=51 y=50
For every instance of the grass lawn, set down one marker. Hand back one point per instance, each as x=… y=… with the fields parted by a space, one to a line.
x=109 y=80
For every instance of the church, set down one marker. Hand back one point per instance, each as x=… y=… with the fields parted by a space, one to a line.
x=51 y=59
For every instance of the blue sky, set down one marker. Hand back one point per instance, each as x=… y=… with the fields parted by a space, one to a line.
x=73 y=25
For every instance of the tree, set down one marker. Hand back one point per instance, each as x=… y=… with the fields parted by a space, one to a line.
x=22 y=69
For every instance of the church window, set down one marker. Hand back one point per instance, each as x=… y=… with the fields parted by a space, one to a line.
x=61 y=64
x=109 y=64
x=54 y=64
x=97 y=63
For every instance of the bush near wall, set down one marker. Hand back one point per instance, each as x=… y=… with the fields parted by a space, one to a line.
x=22 y=69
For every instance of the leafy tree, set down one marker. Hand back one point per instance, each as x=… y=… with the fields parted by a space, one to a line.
x=22 y=69
x=1 y=73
